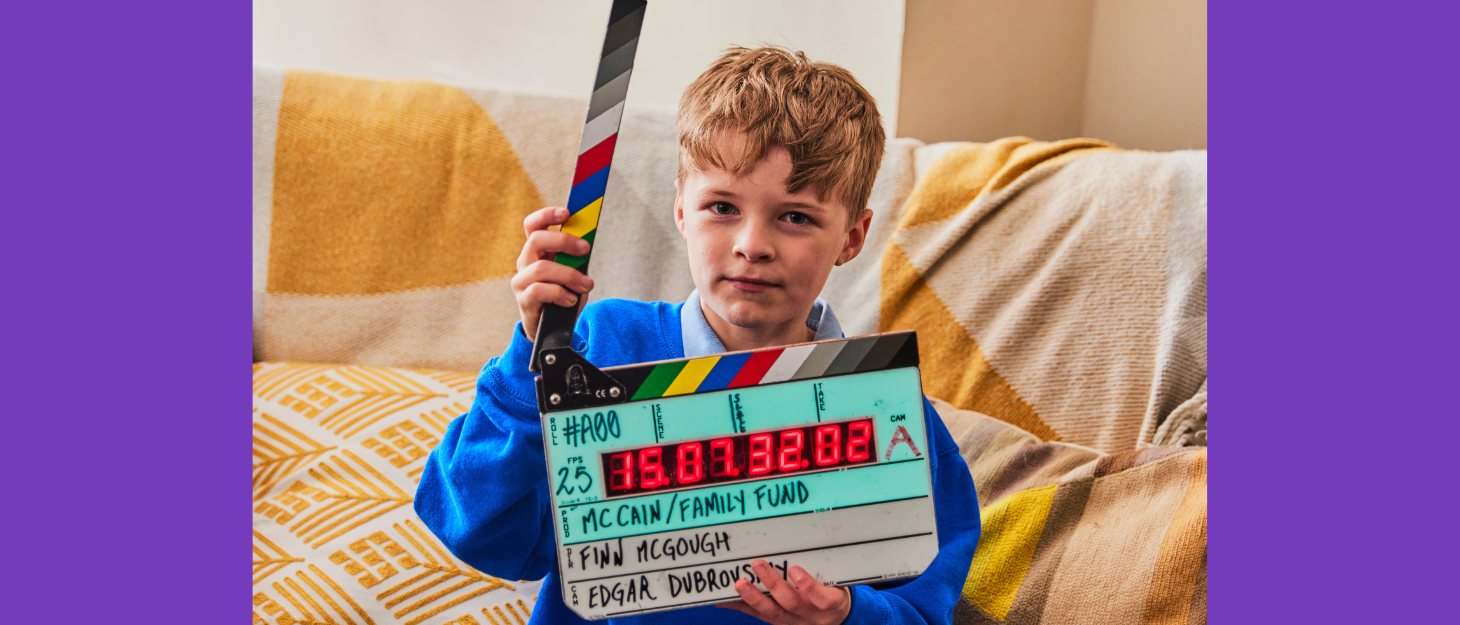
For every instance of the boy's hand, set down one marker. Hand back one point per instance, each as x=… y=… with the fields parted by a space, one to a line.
x=807 y=602
x=539 y=280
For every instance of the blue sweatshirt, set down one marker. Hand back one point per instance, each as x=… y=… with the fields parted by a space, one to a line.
x=484 y=492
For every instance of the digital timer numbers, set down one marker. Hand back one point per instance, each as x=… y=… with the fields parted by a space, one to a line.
x=742 y=457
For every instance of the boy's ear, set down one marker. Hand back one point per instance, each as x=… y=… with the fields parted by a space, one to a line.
x=856 y=238
x=678 y=212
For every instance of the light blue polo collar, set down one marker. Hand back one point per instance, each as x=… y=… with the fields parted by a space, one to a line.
x=700 y=340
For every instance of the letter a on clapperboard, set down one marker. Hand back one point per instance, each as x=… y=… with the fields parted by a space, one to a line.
x=901 y=436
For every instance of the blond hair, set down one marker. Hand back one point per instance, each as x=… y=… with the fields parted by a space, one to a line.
x=773 y=97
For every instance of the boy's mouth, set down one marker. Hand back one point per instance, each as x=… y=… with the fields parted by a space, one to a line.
x=750 y=285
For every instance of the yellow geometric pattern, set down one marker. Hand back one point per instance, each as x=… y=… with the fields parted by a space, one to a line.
x=268 y=558
x=278 y=450
x=407 y=444
x=518 y=610
x=457 y=382
x=346 y=493
x=303 y=598
x=338 y=452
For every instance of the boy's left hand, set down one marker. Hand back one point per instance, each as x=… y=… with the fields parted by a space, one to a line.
x=806 y=602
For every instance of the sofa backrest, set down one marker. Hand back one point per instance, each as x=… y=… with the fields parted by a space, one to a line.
x=1058 y=286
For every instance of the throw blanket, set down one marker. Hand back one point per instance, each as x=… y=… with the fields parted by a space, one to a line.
x=1060 y=287
x=388 y=217
x=1071 y=535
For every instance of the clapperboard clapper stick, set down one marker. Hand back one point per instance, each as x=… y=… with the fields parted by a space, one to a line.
x=590 y=177
x=668 y=479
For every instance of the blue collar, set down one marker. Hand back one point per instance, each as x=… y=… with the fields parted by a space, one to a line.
x=700 y=340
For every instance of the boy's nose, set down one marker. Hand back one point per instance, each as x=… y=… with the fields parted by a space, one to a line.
x=753 y=243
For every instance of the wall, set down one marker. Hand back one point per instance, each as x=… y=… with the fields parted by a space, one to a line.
x=1128 y=71
x=551 y=46
x=1147 y=86
x=977 y=70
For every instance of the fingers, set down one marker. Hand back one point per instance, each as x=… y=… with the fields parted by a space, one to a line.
x=553 y=273
x=543 y=219
x=539 y=280
x=546 y=293
x=547 y=282
x=800 y=600
x=820 y=596
x=530 y=303
x=543 y=282
x=786 y=595
x=543 y=244
x=754 y=603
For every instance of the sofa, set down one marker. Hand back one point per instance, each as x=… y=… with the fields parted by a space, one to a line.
x=1058 y=289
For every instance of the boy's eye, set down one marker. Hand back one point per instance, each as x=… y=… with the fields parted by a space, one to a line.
x=798 y=218
x=722 y=208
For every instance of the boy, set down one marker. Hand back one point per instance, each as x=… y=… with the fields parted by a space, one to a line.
x=777 y=158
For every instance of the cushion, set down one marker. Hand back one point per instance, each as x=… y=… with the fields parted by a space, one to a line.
x=1072 y=535
x=337 y=454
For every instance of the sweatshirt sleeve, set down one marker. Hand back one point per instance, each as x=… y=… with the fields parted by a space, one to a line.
x=484 y=491
x=931 y=597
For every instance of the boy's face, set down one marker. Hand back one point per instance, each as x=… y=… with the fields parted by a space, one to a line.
x=759 y=255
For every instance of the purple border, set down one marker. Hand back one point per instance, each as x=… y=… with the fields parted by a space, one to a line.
x=126 y=248
x=127 y=261
x=1332 y=331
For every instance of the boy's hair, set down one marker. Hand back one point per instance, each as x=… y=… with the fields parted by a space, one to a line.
x=772 y=96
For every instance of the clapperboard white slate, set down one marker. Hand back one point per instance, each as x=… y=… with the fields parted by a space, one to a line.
x=813 y=455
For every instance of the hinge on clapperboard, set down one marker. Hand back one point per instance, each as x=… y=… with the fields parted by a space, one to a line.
x=566 y=379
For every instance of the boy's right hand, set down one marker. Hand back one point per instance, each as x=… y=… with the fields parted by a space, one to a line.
x=539 y=279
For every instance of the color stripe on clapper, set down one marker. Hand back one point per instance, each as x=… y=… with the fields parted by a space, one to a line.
x=600 y=132
x=768 y=366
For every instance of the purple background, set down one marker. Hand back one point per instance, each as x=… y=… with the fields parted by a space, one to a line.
x=126 y=244
x=1333 y=311
x=126 y=235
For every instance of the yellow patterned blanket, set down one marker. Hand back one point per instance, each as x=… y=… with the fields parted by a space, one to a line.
x=1060 y=287
x=337 y=454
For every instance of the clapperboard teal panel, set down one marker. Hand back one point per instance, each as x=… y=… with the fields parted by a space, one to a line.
x=814 y=455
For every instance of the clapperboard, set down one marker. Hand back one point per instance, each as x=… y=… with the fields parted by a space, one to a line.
x=813 y=455
x=668 y=479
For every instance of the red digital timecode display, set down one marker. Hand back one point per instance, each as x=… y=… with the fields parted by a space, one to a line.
x=740 y=457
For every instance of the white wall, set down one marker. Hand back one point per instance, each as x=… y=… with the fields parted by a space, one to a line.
x=551 y=46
